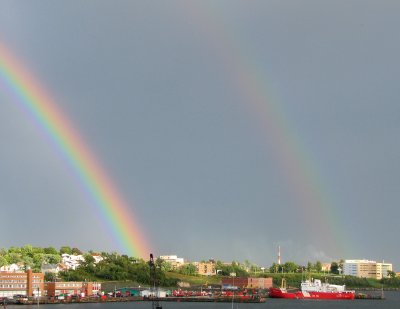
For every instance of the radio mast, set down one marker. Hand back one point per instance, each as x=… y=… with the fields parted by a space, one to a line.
x=279 y=255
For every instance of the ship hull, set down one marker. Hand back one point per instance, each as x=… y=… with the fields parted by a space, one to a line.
x=282 y=293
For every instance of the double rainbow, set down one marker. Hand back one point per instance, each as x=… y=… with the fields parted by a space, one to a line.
x=26 y=92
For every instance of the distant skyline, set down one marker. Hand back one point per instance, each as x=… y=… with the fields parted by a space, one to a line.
x=229 y=128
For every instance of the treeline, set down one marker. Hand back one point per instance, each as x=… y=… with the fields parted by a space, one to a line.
x=30 y=257
x=115 y=267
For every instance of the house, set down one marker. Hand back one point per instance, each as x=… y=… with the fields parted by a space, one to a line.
x=12 y=267
x=51 y=268
x=72 y=261
x=173 y=260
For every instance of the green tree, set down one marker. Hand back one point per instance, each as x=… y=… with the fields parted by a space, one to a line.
x=290 y=267
x=89 y=259
x=188 y=269
x=247 y=265
x=65 y=249
x=274 y=268
x=3 y=261
x=38 y=260
x=76 y=251
x=341 y=262
x=50 y=277
x=334 y=268
x=27 y=250
x=391 y=274
x=318 y=266
x=51 y=250
x=14 y=257
x=52 y=258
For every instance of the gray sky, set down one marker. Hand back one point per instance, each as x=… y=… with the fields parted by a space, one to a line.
x=178 y=101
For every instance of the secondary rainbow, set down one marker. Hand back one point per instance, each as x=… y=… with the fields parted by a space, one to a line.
x=27 y=92
x=241 y=69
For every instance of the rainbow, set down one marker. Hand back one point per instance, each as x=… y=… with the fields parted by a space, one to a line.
x=53 y=122
x=316 y=207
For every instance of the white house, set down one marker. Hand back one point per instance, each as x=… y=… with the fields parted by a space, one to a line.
x=173 y=260
x=72 y=261
x=12 y=268
x=51 y=268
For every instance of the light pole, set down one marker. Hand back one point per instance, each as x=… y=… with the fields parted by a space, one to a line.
x=233 y=287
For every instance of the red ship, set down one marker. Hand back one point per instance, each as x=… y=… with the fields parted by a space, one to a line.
x=313 y=290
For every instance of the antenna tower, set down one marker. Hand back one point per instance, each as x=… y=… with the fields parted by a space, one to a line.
x=279 y=255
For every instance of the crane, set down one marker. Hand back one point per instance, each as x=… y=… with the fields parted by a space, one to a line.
x=154 y=283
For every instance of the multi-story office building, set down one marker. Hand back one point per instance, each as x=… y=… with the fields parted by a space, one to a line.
x=366 y=269
x=22 y=283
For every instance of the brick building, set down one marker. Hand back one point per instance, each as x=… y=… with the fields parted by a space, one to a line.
x=23 y=283
x=72 y=288
x=250 y=283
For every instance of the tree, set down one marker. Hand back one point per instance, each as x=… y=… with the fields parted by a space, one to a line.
x=188 y=269
x=318 y=266
x=14 y=257
x=52 y=258
x=274 y=268
x=50 y=277
x=247 y=265
x=341 y=262
x=27 y=250
x=290 y=267
x=76 y=251
x=391 y=274
x=3 y=261
x=89 y=259
x=38 y=260
x=65 y=249
x=334 y=268
x=51 y=250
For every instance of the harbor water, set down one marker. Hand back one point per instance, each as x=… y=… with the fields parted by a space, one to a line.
x=392 y=301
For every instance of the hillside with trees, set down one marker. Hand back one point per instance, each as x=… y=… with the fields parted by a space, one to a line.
x=115 y=267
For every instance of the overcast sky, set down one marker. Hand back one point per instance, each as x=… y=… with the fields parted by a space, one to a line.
x=230 y=127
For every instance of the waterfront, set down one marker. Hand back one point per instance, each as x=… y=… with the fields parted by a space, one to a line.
x=392 y=301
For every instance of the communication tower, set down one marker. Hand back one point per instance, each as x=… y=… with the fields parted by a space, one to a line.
x=279 y=255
